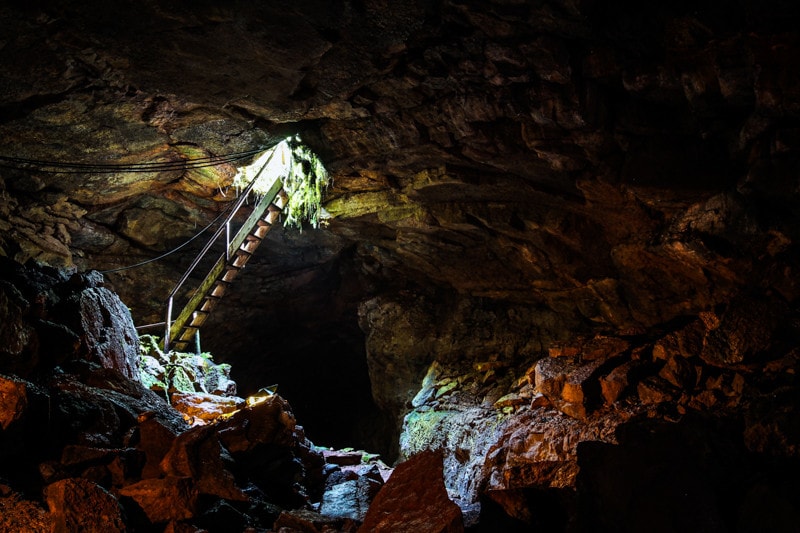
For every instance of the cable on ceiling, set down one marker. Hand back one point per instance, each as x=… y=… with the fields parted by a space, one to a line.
x=57 y=167
x=176 y=249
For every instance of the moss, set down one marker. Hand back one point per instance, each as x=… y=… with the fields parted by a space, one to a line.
x=424 y=430
x=304 y=178
x=178 y=371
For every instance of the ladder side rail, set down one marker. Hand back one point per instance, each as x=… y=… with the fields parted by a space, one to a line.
x=223 y=227
x=255 y=216
x=217 y=269
x=198 y=296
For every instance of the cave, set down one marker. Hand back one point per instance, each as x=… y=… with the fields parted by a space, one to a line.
x=551 y=284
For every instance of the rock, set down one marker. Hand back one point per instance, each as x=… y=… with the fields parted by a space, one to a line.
x=107 y=330
x=350 y=499
x=17 y=514
x=414 y=499
x=270 y=450
x=182 y=527
x=539 y=450
x=80 y=505
x=680 y=373
x=268 y=422
x=566 y=384
x=614 y=384
x=164 y=499
x=222 y=516
x=655 y=390
x=342 y=458
x=197 y=454
x=156 y=438
x=13 y=400
x=205 y=407
x=17 y=336
x=304 y=521
x=743 y=332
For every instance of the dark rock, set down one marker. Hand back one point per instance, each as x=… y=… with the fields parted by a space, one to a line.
x=164 y=499
x=350 y=499
x=743 y=332
x=655 y=390
x=18 y=514
x=80 y=505
x=182 y=527
x=107 y=331
x=196 y=454
x=414 y=499
x=221 y=517
x=270 y=450
x=304 y=521
x=156 y=438
x=342 y=458
x=13 y=400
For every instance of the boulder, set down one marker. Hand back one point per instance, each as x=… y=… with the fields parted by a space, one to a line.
x=197 y=454
x=305 y=521
x=614 y=384
x=566 y=383
x=80 y=505
x=164 y=499
x=107 y=331
x=414 y=499
x=18 y=514
x=155 y=439
x=204 y=408
x=13 y=400
x=350 y=499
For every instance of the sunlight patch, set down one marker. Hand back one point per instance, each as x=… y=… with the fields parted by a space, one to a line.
x=304 y=180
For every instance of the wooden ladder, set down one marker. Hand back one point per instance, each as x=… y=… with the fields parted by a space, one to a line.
x=182 y=332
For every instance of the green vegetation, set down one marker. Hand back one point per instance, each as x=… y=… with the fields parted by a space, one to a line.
x=179 y=371
x=304 y=180
x=305 y=183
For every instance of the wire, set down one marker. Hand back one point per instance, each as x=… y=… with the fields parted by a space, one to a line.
x=177 y=248
x=21 y=163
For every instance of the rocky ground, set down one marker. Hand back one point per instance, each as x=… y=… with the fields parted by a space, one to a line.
x=84 y=446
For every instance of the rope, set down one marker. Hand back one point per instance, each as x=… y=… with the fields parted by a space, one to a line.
x=170 y=252
x=21 y=163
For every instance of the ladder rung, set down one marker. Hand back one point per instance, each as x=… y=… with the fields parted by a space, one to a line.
x=218 y=291
x=261 y=231
x=273 y=217
x=188 y=333
x=240 y=259
x=229 y=275
x=198 y=321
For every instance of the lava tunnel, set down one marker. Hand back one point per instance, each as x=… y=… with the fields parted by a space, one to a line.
x=423 y=265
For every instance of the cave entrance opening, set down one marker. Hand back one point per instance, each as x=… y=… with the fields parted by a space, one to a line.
x=288 y=179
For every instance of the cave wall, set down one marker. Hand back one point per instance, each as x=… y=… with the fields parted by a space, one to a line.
x=550 y=222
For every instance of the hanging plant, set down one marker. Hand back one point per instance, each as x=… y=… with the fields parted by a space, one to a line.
x=304 y=179
x=305 y=183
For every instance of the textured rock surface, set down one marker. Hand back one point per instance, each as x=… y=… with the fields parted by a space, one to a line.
x=79 y=505
x=414 y=499
x=581 y=213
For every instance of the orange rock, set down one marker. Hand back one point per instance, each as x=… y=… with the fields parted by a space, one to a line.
x=13 y=400
x=80 y=505
x=162 y=500
x=414 y=500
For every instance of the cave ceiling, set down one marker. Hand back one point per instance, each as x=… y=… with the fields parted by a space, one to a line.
x=618 y=165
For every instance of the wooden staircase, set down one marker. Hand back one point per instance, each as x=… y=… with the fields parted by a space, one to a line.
x=182 y=333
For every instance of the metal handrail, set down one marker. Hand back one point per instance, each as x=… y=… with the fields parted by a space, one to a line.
x=224 y=226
